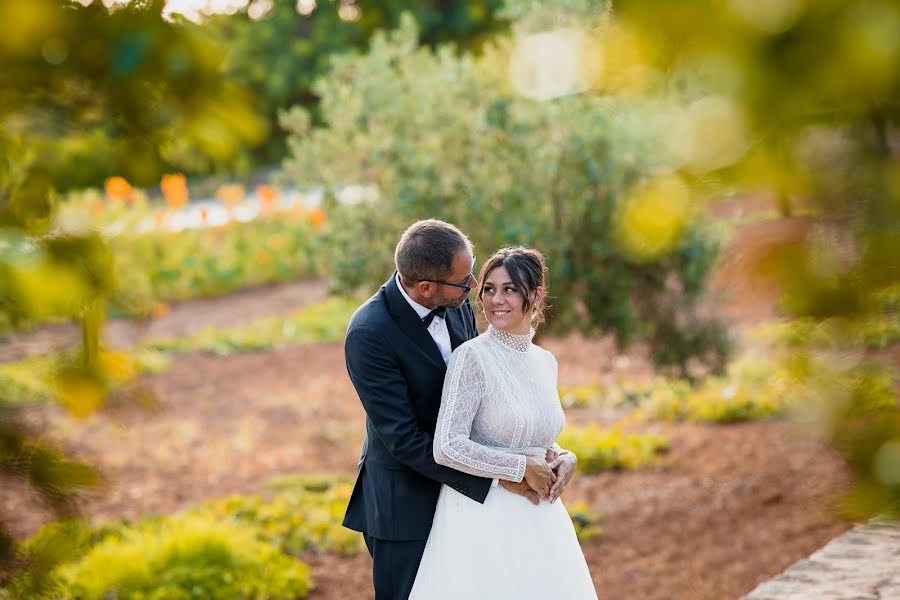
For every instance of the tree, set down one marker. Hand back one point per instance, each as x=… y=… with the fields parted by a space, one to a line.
x=436 y=134
x=281 y=52
x=139 y=79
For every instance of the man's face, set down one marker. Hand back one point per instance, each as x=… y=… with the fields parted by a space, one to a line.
x=450 y=296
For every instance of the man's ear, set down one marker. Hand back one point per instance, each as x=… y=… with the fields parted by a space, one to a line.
x=426 y=289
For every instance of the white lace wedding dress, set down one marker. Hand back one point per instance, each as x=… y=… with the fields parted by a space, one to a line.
x=500 y=403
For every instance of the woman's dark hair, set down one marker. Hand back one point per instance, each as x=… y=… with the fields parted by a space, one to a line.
x=426 y=250
x=528 y=271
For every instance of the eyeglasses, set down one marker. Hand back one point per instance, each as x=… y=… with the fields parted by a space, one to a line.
x=461 y=286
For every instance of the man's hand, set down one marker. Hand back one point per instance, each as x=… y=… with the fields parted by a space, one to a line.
x=564 y=466
x=523 y=489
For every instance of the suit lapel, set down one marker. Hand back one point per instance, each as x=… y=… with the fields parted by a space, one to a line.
x=410 y=323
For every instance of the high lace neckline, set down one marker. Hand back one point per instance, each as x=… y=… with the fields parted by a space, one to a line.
x=516 y=341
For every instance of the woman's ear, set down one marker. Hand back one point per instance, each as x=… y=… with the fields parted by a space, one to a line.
x=537 y=298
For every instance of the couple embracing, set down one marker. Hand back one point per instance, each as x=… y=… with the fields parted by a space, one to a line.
x=457 y=494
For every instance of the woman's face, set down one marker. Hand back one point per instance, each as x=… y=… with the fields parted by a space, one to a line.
x=503 y=303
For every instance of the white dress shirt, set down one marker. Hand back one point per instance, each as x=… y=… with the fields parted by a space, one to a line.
x=438 y=327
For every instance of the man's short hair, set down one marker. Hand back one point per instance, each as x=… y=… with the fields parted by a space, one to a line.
x=426 y=250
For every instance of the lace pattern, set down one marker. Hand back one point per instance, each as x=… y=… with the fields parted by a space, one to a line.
x=499 y=404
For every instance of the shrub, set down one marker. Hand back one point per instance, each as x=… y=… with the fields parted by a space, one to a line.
x=604 y=449
x=305 y=517
x=183 y=558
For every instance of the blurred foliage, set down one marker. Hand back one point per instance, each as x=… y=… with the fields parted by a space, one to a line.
x=153 y=264
x=59 y=379
x=605 y=449
x=322 y=322
x=80 y=87
x=800 y=99
x=88 y=94
x=436 y=134
x=878 y=327
x=280 y=53
x=51 y=378
x=833 y=333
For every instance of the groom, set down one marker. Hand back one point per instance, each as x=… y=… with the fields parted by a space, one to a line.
x=397 y=347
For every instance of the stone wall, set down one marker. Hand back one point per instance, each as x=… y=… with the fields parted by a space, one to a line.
x=862 y=564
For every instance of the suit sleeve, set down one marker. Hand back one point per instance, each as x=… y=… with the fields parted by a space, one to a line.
x=379 y=382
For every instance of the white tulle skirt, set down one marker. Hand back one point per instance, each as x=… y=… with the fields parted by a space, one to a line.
x=504 y=548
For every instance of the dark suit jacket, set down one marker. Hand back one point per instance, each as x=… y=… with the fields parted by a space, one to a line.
x=398 y=372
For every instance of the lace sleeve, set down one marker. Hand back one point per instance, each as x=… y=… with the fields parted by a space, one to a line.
x=464 y=389
x=557 y=449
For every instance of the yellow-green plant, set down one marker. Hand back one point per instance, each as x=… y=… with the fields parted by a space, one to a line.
x=624 y=394
x=322 y=322
x=297 y=521
x=751 y=390
x=585 y=520
x=182 y=558
x=604 y=449
x=718 y=400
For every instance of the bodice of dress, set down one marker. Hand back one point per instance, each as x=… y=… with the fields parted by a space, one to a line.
x=499 y=404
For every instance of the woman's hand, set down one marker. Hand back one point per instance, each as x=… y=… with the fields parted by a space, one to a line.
x=539 y=475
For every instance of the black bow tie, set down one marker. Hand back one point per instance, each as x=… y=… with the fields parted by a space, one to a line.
x=437 y=312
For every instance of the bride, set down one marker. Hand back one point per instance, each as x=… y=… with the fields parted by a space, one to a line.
x=500 y=414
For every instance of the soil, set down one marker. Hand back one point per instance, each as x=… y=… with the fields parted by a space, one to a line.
x=734 y=505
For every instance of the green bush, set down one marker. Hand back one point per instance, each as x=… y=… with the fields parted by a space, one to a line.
x=436 y=134
x=183 y=558
x=604 y=449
